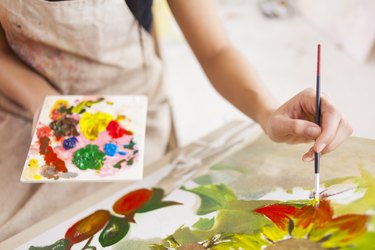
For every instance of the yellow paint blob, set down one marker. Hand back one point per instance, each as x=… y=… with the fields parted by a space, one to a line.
x=31 y=173
x=92 y=124
x=120 y=118
x=315 y=201
x=33 y=163
x=37 y=177
x=78 y=108
x=58 y=105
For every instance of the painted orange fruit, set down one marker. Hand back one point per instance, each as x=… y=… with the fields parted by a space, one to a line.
x=87 y=227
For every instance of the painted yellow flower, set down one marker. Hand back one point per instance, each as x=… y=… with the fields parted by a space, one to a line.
x=92 y=124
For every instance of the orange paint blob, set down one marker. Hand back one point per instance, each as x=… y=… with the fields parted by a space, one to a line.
x=44 y=131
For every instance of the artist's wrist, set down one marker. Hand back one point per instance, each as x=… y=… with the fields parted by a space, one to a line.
x=264 y=117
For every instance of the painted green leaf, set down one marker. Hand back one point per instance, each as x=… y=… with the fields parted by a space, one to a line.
x=61 y=244
x=156 y=201
x=237 y=218
x=213 y=197
x=168 y=243
x=115 y=230
x=363 y=242
x=204 y=223
x=227 y=221
x=364 y=204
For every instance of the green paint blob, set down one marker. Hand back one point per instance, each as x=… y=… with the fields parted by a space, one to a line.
x=89 y=157
x=130 y=145
x=118 y=164
x=80 y=107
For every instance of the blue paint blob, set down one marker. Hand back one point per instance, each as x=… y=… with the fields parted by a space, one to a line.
x=122 y=153
x=110 y=149
x=70 y=143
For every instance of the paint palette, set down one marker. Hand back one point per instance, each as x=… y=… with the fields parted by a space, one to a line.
x=88 y=138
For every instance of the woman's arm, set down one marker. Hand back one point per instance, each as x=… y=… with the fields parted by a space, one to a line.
x=234 y=78
x=229 y=72
x=19 y=82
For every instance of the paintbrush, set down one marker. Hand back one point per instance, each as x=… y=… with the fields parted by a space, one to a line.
x=317 y=121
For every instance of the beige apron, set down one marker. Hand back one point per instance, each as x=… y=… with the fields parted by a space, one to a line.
x=80 y=47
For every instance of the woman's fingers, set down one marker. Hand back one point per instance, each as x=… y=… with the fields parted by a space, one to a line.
x=301 y=130
x=330 y=123
x=291 y=130
x=343 y=132
x=309 y=156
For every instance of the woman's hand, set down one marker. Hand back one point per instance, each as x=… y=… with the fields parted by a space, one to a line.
x=293 y=123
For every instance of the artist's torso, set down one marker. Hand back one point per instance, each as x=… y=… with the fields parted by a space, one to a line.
x=82 y=46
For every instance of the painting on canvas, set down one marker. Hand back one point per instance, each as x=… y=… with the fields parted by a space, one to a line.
x=257 y=198
x=87 y=138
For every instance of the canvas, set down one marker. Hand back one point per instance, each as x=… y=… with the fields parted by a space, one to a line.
x=87 y=138
x=256 y=198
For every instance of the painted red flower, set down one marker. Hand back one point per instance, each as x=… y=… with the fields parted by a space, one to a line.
x=316 y=224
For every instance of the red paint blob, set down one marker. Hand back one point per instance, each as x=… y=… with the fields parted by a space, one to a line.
x=50 y=157
x=116 y=131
